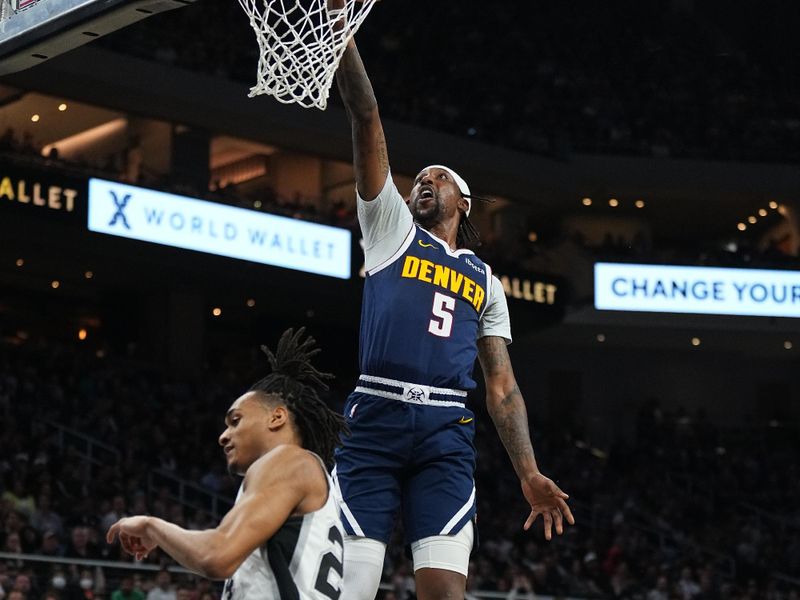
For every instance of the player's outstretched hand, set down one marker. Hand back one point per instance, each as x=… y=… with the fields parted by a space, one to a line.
x=546 y=499
x=132 y=533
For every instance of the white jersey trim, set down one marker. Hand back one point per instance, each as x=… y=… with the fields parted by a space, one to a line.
x=305 y=529
x=488 y=290
x=495 y=320
x=348 y=514
x=406 y=385
x=403 y=247
x=460 y=514
x=401 y=398
x=446 y=246
x=383 y=221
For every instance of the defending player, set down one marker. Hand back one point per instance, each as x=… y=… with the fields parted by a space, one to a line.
x=283 y=537
x=430 y=306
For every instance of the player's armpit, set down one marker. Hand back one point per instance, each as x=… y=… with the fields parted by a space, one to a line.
x=286 y=480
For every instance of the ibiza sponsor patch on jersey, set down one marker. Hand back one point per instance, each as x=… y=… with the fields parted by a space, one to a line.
x=476 y=267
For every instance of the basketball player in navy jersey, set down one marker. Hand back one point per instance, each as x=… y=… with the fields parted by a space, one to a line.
x=430 y=307
x=283 y=537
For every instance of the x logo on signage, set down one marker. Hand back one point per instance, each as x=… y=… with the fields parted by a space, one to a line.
x=120 y=213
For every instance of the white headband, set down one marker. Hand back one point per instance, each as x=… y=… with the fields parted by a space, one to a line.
x=462 y=185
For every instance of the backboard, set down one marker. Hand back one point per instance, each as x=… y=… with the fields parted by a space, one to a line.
x=32 y=31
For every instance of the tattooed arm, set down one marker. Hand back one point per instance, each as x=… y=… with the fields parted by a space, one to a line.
x=370 y=157
x=507 y=409
x=506 y=406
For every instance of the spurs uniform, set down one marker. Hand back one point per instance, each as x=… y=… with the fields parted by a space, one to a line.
x=302 y=561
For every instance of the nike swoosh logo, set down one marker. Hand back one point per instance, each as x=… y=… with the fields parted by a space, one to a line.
x=464 y=420
x=421 y=243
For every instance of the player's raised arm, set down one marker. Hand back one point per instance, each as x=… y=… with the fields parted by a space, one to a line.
x=370 y=157
x=507 y=409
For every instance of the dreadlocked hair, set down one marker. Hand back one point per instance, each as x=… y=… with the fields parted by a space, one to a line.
x=467 y=236
x=298 y=382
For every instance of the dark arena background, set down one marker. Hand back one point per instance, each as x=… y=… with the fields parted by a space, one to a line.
x=644 y=161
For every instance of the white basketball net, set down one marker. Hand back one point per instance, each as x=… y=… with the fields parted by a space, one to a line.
x=301 y=46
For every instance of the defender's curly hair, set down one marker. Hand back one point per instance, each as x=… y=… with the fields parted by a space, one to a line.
x=297 y=382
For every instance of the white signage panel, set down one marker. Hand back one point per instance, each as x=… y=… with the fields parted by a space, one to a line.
x=698 y=290
x=182 y=222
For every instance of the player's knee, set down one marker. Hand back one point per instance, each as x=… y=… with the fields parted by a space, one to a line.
x=363 y=567
x=441 y=563
x=440 y=584
x=448 y=553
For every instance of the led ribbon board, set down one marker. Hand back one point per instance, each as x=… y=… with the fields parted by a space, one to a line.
x=698 y=290
x=181 y=222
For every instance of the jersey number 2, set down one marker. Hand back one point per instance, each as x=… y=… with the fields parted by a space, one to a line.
x=443 y=309
x=330 y=562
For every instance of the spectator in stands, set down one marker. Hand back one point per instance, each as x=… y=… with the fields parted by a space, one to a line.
x=184 y=591
x=18 y=496
x=578 y=584
x=23 y=584
x=622 y=583
x=126 y=590
x=88 y=585
x=687 y=585
x=13 y=544
x=201 y=588
x=595 y=574
x=116 y=513
x=633 y=486
x=200 y=520
x=45 y=519
x=661 y=589
x=521 y=587
x=214 y=479
x=13 y=521
x=80 y=545
x=58 y=581
x=163 y=589
x=51 y=546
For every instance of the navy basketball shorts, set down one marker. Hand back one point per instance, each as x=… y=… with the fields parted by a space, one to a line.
x=407 y=459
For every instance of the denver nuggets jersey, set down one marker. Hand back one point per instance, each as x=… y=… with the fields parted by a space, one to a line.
x=302 y=561
x=424 y=305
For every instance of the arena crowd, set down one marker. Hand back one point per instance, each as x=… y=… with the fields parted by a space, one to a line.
x=681 y=511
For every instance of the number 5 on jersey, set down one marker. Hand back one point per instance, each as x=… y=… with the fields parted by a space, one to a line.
x=443 y=309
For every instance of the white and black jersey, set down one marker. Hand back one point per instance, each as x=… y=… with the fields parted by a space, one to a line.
x=302 y=561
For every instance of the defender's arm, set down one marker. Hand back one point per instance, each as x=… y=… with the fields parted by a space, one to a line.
x=275 y=486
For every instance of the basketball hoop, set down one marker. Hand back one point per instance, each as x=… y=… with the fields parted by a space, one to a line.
x=301 y=43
